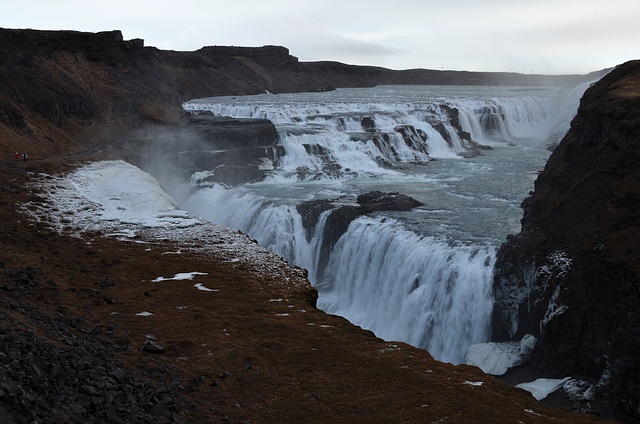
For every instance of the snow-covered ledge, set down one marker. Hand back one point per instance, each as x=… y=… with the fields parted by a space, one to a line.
x=498 y=358
x=116 y=199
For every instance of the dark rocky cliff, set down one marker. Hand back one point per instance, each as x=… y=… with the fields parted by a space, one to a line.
x=571 y=277
x=63 y=90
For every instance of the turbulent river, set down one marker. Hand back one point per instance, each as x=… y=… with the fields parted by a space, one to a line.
x=423 y=276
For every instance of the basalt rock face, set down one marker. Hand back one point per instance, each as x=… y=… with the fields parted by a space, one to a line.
x=232 y=151
x=227 y=133
x=571 y=277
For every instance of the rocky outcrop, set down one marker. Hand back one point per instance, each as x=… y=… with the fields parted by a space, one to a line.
x=571 y=276
x=415 y=138
x=368 y=124
x=228 y=133
x=339 y=219
x=232 y=151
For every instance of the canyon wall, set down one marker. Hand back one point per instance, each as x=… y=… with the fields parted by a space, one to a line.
x=571 y=276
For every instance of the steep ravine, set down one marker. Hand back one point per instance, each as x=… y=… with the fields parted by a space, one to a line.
x=571 y=276
x=74 y=349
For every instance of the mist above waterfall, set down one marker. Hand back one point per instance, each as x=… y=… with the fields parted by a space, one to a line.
x=468 y=154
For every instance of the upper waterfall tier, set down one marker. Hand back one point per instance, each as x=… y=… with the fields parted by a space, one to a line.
x=356 y=132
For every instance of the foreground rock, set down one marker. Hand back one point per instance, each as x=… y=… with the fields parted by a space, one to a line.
x=571 y=277
x=78 y=383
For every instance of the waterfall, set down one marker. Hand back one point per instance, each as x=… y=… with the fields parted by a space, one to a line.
x=343 y=133
x=276 y=227
x=402 y=286
x=419 y=290
x=393 y=273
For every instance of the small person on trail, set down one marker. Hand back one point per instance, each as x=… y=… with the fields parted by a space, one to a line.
x=17 y=156
x=25 y=157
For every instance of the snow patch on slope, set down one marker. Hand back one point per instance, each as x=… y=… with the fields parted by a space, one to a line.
x=117 y=199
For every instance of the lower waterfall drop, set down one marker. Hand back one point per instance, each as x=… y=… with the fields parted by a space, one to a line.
x=419 y=290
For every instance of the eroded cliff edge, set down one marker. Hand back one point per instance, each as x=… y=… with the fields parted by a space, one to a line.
x=571 y=276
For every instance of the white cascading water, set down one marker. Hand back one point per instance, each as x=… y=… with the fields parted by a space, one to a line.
x=424 y=291
x=424 y=276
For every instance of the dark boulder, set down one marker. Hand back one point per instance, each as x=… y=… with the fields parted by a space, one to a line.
x=107 y=283
x=338 y=221
x=368 y=124
x=379 y=201
x=153 y=348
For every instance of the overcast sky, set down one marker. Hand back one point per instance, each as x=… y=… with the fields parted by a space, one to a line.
x=540 y=36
